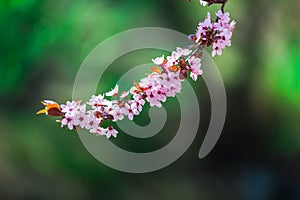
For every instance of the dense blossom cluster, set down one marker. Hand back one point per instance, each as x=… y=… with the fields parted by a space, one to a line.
x=217 y=33
x=164 y=81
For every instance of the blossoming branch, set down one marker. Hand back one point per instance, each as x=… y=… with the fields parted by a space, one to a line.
x=163 y=81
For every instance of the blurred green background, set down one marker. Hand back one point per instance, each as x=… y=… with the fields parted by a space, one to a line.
x=43 y=43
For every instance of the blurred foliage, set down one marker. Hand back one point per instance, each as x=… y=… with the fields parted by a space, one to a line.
x=43 y=43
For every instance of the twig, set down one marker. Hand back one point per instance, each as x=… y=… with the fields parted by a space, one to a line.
x=210 y=2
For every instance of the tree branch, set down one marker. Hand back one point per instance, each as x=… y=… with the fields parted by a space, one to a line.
x=211 y=2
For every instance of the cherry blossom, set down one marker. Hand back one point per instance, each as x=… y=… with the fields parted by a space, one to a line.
x=183 y=52
x=158 y=60
x=100 y=131
x=98 y=100
x=217 y=33
x=130 y=110
x=110 y=131
x=117 y=113
x=113 y=92
x=165 y=81
x=70 y=109
x=80 y=119
x=124 y=94
x=92 y=122
x=69 y=122
x=195 y=64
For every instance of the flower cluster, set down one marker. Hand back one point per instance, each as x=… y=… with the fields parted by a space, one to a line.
x=164 y=81
x=217 y=33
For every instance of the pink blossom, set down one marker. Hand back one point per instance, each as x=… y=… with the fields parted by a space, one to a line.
x=117 y=113
x=232 y=25
x=217 y=48
x=207 y=22
x=195 y=64
x=223 y=17
x=153 y=98
x=159 y=60
x=124 y=94
x=173 y=59
x=110 y=131
x=99 y=131
x=217 y=33
x=98 y=100
x=130 y=110
x=113 y=92
x=204 y=29
x=138 y=103
x=80 y=120
x=92 y=122
x=183 y=52
x=161 y=94
x=69 y=122
x=70 y=108
x=171 y=83
x=154 y=88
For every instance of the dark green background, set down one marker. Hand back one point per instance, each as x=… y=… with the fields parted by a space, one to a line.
x=43 y=43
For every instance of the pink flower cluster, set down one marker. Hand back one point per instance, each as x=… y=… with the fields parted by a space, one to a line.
x=164 y=81
x=76 y=115
x=217 y=33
